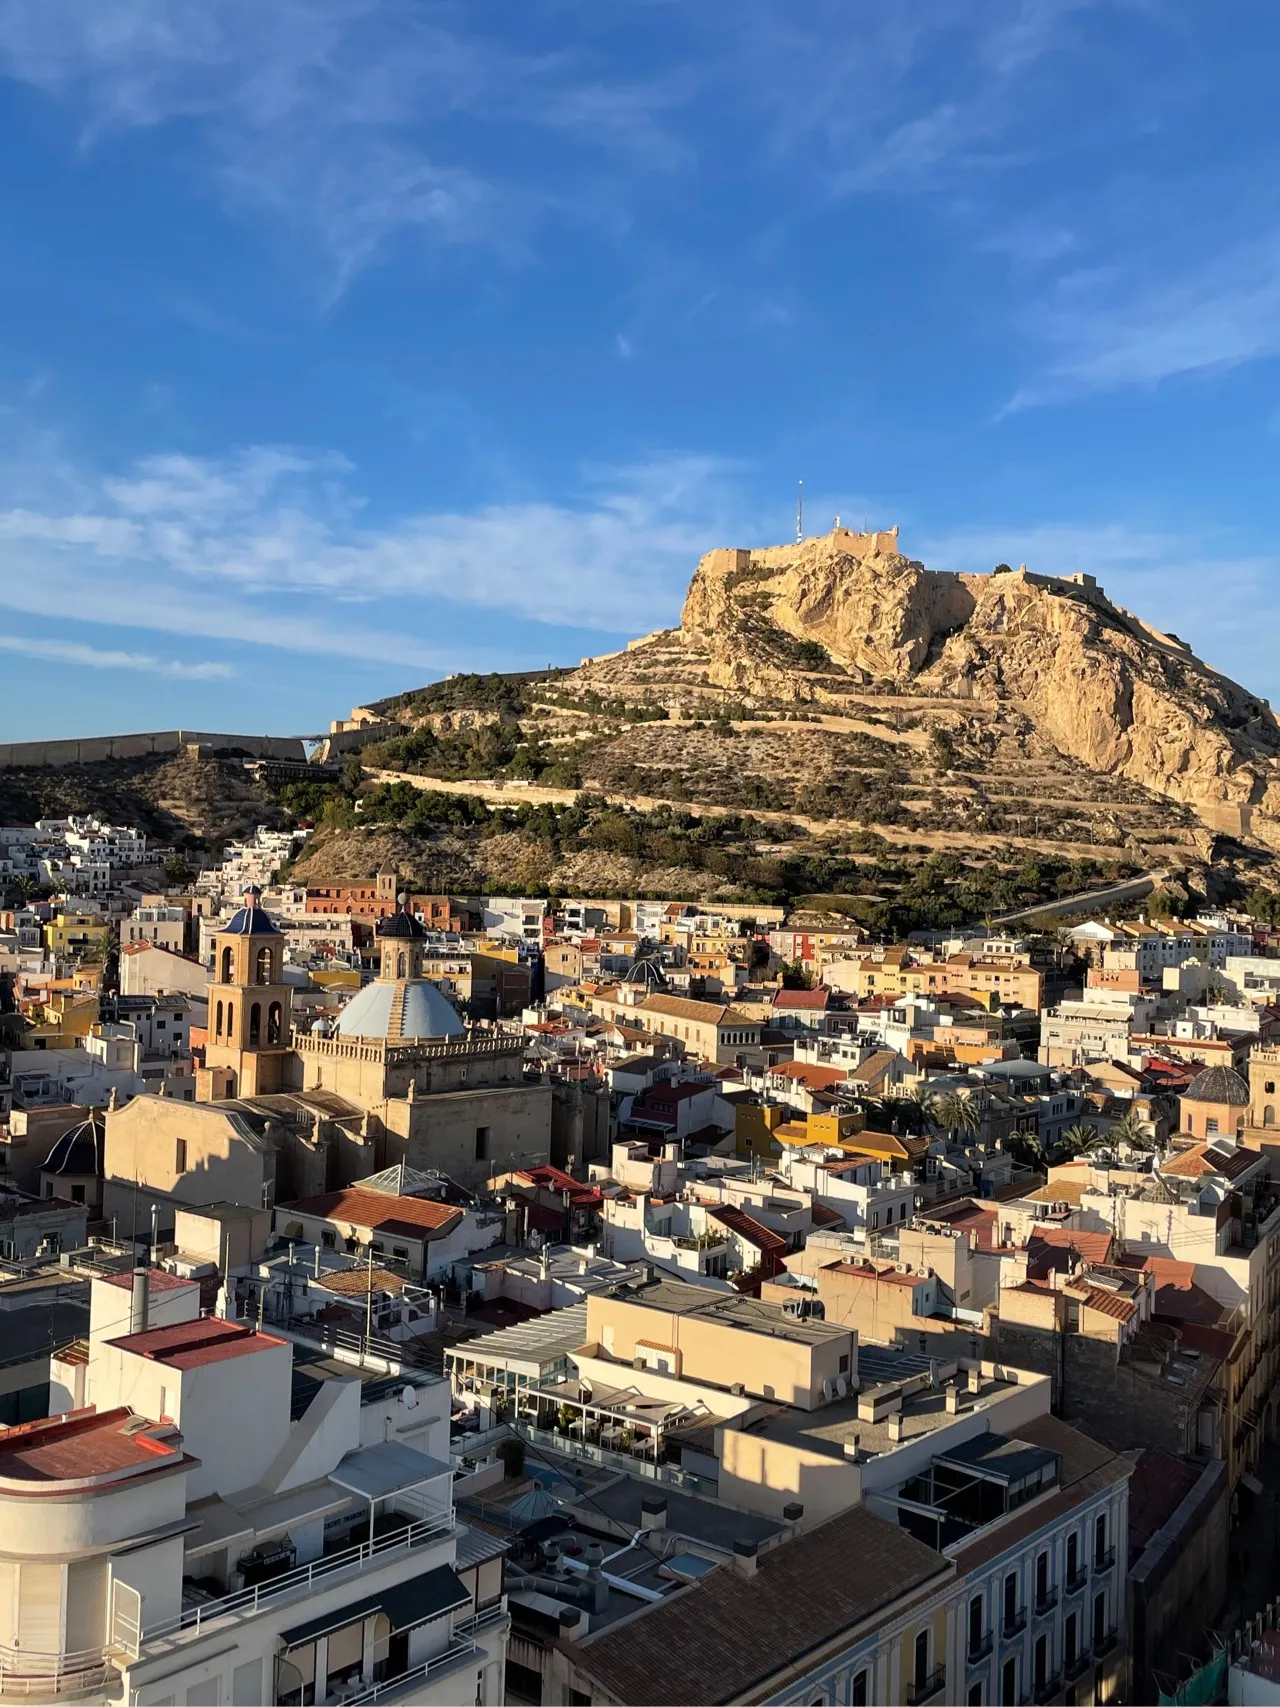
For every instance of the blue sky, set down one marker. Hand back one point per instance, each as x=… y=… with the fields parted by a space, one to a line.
x=347 y=342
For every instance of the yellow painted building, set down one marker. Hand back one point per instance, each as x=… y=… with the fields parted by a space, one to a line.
x=76 y=934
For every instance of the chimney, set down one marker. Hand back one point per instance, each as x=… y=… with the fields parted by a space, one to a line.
x=139 y=1308
x=895 y=1427
x=953 y=1400
x=744 y=1558
x=975 y=1380
x=653 y=1511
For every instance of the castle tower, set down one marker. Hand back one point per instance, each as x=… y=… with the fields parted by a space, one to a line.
x=249 y=1009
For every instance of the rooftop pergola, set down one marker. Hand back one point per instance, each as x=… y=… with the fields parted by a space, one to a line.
x=620 y=1418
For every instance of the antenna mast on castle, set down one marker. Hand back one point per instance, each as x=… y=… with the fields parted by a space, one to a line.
x=800 y=514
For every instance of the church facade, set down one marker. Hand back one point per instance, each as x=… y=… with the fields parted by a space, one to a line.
x=283 y=1113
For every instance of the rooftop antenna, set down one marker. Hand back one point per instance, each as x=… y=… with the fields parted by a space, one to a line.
x=800 y=513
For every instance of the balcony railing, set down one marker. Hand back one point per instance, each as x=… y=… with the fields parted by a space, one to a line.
x=981 y=1648
x=305 y=1580
x=1046 y=1690
x=1015 y=1625
x=1077 y=1579
x=927 y=1688
x=462 y=1647
x=1076 y=1667
x=1046 y=1602
x=27 y=1673
x=1102 y=1562
x=1104 y=1645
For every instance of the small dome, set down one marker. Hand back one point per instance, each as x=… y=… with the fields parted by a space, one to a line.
x=401 y=1011
x=647 y=972
x=1220 y=1085
x=401 y=924
x=79 y=1150
x=251 y=920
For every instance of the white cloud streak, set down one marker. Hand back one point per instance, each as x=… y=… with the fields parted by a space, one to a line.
x=94 y=658
x=270 y=546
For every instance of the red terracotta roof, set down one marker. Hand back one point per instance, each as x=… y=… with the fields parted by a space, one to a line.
x=1049 y=1249
x=192 y=1345
x=747 y=1227
x=377 y=1211
x=802 y=999
x=81 y=1445
x=158 y=1280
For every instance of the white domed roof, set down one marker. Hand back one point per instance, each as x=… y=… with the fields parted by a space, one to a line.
x=409 y=1009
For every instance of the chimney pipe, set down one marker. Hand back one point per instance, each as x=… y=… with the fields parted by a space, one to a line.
x=653 y=1511
x=139 y=1307
x=744 y=1558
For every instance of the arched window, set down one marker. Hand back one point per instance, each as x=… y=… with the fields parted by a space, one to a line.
x=255 y=1024
x=231 y=1021
x=217 y=1027
x=1269 y=1115
x=226 y=965
x=402 y=966
x=273 y=1023
x=263 y=973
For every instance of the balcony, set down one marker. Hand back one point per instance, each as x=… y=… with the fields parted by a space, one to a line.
x=1046 y=1602
x=1102 y=1562
x=1046 y=1690
x=463 y=1647
x=1077 y=1579
x=928 y=1687
x=1103 y=1647
x=297 y=1584
x=1015 y=1625
x=980 y=1649
x=26 y=1674
x=1074 y=1668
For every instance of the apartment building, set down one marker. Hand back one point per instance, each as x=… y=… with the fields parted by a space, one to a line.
x=160 y=1550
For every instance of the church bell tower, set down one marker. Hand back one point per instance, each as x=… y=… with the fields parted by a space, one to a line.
x=249 y=1009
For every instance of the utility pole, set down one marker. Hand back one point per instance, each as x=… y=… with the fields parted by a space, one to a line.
x=800 y=513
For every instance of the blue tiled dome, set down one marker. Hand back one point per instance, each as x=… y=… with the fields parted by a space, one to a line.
x=251 y=920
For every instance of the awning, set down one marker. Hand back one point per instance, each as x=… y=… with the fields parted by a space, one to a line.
x=377 y=1472
x=407 y=1604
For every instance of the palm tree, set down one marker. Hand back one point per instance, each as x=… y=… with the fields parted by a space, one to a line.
x=1079 y=1139
x=957 y=1112
x=1026 y=1148
x=1131 y=1131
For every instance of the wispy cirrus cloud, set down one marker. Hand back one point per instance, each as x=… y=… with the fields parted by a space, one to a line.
x=1106 y=328
x=270 y=545
x=354 y=120
x=95 y=658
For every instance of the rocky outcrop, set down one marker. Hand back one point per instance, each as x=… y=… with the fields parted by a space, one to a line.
x=1103 y=687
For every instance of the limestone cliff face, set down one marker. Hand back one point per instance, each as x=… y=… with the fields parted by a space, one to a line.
x=1101 y=685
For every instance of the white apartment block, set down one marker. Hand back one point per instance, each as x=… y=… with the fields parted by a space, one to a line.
x=193 y=1530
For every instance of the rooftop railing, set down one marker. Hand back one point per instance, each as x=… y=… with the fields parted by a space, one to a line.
x=295 y=1584
x=28 y=1674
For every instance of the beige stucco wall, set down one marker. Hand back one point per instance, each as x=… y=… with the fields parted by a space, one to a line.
x=142 y=1145
x=771 y=1367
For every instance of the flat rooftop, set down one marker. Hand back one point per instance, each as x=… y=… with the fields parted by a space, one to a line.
x=85 y=1446
x=191 y=1345
x=833 y=1429
x=674 y=1298
x=158 y=1280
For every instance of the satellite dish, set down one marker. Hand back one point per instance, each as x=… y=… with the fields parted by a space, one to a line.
x=409 y=1398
